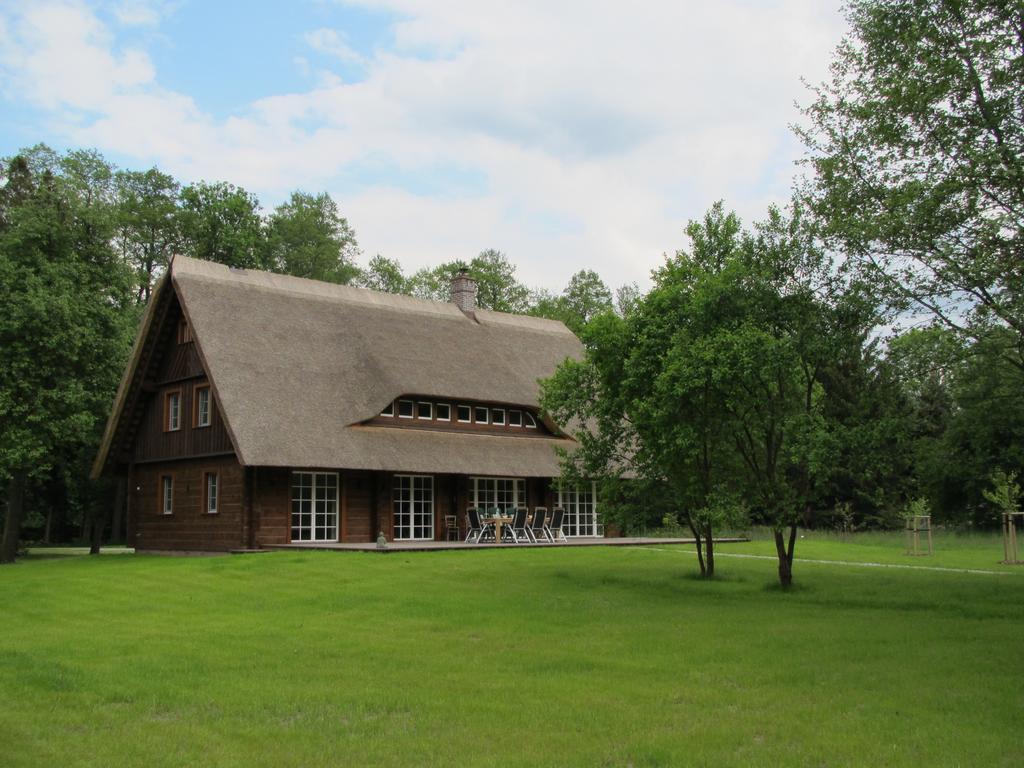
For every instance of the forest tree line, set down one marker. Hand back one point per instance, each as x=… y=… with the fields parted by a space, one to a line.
x=852 y=355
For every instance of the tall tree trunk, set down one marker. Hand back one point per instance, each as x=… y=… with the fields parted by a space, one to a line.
x=98 y=518
x=15 y=512
x=700 y=553
x=785 y=558
x=49 y=525
x=710 y=544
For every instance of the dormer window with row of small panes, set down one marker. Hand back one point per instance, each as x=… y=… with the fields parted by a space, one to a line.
x=417 y=411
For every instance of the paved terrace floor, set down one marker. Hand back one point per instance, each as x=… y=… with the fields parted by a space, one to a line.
x=433 y=546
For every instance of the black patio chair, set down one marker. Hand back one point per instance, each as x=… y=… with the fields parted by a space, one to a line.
x=475 y=527
x=555 y=533
x=518 y=528
x=536 y=529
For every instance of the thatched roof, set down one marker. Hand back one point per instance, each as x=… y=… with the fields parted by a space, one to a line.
x=297 y=365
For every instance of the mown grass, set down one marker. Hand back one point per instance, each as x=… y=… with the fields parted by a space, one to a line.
x=950 y=549
x=530 y=657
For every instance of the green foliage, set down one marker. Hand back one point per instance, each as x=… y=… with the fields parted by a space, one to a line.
x=736 y=381
x=583 y=299
x=67 y=320
x=497 y=286
x=1005 y=492
x=221 y=222
x=307 y=237
x=915 y=146
x=917 y=508
x=147 y=233
x=385 y=275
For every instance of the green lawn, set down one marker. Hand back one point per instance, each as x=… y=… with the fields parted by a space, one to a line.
x=591 y=657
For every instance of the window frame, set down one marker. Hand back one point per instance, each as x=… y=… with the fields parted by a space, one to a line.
x=469 y=416
x=215 y=476
x=430 y=410
x=529 y=421
x=184 y=332
x=408 y=506
x=494 y=421
x=336 y=516
x=519 y=418
x=476 y=414
x=412 y=409
x=167 y=410
x=516 y=484
x=437 y=411
x=579 y=501
x=388 y=411
x=196 y=390
x=162 y=495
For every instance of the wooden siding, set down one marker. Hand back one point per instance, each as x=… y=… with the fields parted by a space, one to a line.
x=366 y=505
x=153 y=443
x=272 y=505
x=190 y=526
x=179 y=361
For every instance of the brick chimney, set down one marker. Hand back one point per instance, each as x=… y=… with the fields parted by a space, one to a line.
x=464 y=291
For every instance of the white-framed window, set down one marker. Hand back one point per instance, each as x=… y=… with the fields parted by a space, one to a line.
x=172 y=411
x=424 y=410
x=166 y=494
x=314 y=506
x=405 y=409
x=531 y=423
x=581 y=513
x=202 y=414
x=498 y=416
x=444 y=412
x=506 y=493
x=465 y=414
x=389 y=409
x=515 y=418
x=481 y=415
x=413 y=506
x=212 y=493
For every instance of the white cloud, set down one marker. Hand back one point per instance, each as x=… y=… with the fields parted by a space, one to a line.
x=597 y=129
x=141 y=13
x=332 y=43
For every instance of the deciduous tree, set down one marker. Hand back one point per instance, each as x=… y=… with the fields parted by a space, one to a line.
x=221 y=222
x=917 y=150
x=65 y=327
x=308 y=237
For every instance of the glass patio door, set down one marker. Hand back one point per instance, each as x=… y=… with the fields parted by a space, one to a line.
x=580 y=505
x=314 y=506
x=413 y=503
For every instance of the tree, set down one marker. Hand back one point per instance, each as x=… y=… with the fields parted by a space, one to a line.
x=308 y=237
x=385 y=275
x=584 y=298
x=497 y=286
x=66 y=324
x=221 y=222
x=714 y=383
x=147 y=224
x=916 y=149
x=626 y=298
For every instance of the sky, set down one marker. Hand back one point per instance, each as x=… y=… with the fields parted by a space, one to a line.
x=570 y=135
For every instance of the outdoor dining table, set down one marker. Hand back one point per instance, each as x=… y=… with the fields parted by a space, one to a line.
x=498 y=520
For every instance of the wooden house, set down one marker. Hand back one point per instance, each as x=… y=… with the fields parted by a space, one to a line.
x=261 y=409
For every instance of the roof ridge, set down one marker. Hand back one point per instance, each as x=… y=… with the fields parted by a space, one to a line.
x=320 y=289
